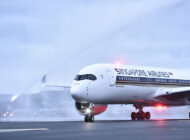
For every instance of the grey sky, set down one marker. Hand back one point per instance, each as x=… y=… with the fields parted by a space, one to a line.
x=38 y=35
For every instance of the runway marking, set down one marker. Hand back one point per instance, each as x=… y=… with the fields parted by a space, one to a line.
x=20 y=130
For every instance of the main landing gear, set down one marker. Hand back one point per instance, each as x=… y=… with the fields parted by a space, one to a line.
x=140 y=115
x=89 y=118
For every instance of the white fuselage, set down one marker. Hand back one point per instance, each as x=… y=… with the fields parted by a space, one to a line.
x=125 y=84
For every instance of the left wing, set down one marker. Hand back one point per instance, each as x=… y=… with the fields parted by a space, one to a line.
x=51 y=85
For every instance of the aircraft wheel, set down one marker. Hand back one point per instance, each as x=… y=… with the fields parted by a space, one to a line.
x=86 y=119
x=148 y=115
x=133 y=116
x=91 y=118
x=143 y=115
x=138 y=116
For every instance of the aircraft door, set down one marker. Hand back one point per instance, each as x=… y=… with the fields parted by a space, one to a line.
x=110 y=77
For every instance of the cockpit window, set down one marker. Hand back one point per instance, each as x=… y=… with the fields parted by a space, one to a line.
x=77 y=77
x=91 y=77
x=85 y=77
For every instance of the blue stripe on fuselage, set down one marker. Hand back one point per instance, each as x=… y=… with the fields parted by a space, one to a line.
x=151 y=81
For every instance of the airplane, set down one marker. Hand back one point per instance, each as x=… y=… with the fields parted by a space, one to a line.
x=98 y=85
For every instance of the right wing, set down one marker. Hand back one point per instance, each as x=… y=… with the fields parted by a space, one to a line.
x=176 y=95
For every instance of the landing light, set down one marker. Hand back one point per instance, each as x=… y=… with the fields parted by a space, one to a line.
x=88 y=111
x=160 y=107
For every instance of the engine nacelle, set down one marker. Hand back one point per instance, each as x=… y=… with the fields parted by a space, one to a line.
x=92 y=109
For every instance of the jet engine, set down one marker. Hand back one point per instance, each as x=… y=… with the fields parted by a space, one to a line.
x=90 y=109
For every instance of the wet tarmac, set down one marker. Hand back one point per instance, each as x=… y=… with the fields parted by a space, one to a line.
x=99 y=130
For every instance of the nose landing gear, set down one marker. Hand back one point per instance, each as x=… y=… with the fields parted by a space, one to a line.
x=140 y=115
x=89 y=118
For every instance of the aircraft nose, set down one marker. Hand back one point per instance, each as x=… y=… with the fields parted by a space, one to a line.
x=74 y=93
x=79 y=92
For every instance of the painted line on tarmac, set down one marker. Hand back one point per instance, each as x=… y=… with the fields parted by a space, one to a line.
x=20 y=130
